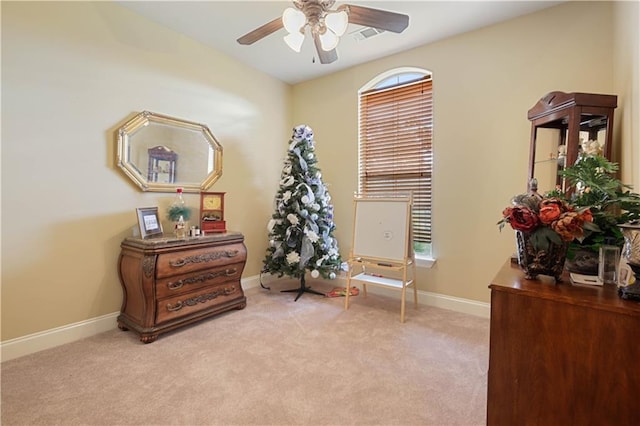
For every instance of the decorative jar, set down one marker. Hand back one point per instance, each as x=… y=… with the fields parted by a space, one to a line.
x=534 y=262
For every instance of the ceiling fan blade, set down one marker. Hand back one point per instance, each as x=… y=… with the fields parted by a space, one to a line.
x=376 y=18
x=324 y=56
x=261 y=32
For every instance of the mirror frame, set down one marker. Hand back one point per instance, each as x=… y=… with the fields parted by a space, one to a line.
x=145 y=118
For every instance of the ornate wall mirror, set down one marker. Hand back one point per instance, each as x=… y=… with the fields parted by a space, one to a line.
x=562 y=124
x=161 y=153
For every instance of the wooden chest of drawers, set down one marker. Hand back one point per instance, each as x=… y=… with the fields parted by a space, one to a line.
x=168 y=283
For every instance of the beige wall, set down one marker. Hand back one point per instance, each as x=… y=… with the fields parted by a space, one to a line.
x=484 y=83
x=72 y=72
x=626 y=68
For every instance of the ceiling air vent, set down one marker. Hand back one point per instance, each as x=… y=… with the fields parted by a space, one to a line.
x=365 y=33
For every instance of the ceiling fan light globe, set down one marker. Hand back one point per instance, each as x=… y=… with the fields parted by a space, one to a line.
x=294 y=40
x=328 y=40
x=293 y=20
x=337 y=22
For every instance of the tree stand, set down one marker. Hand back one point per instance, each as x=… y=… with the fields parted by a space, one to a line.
x=303 y=289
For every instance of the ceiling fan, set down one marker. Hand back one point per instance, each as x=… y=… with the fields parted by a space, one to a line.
x=325 y=25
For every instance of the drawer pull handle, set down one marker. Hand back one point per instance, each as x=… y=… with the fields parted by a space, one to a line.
x=175 y=285
x=174 y=308
x=178 y=263
x=206 y=257
x=202 y=298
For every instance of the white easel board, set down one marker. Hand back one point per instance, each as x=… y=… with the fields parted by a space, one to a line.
x=382 y=228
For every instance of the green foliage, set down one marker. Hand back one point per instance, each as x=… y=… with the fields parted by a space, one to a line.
x=422 y=248
x=610 y=201
x=174 y=212
x=543 y=237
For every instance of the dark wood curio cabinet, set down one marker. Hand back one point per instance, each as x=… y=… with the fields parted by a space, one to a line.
x=560 y=122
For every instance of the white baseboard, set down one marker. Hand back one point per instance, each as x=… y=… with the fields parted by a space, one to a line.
x=466 y=306
x=47 y=339
x=427 y=298
x=36 y=342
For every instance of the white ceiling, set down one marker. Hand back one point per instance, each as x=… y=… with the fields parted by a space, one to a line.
x=219 y=23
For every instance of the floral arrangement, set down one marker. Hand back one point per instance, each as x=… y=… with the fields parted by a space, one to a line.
x=547 y=220
x=588 y=217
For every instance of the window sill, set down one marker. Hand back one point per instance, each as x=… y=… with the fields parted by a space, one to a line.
x=425 y=262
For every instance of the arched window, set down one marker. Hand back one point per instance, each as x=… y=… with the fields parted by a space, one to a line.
x=395 y=144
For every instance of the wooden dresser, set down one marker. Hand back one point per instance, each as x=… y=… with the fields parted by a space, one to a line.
x=561 y=354
x=168 y=283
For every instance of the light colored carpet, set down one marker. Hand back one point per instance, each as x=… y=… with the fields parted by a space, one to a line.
x=277 y=362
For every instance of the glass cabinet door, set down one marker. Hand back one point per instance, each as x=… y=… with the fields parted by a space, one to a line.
x=162 y=165
x=564 y=125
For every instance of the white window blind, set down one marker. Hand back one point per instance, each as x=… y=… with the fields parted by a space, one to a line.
x=396 y=155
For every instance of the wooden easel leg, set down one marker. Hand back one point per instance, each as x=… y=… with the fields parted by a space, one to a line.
x=415 y=284
x=348 y=291
x=402 y=303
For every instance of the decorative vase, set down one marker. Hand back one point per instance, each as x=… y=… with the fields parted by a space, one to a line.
x=583 y=261
x=180 y=228
x=540 y=262
x=629 y=286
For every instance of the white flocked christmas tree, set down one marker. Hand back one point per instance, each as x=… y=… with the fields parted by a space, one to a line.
x=301 y=228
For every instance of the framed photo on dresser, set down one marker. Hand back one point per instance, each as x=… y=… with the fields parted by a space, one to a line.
x=149 y=222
